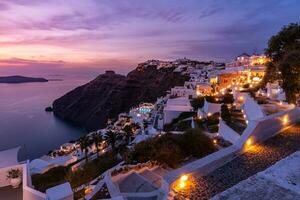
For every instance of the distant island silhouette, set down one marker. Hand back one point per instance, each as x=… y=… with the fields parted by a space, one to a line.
x=20 y=79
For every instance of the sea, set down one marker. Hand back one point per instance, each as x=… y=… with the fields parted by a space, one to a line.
x=24 y=122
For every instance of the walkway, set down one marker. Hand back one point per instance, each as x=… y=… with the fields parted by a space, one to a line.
x=9 y=193
x=257 y=159
x=280 y=181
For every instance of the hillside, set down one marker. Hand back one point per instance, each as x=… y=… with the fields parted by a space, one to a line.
x=109 y=94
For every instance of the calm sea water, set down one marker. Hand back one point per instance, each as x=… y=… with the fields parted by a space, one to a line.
x=23 y=121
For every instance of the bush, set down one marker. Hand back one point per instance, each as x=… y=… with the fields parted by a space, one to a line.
x=182 y=116
x=178 y=124
x=90 y=171
x=247 y=85
x=171 y=149
x=225 y=113
x=228 y=98
x=51 y=178
x=211 y=99
x=197 y=103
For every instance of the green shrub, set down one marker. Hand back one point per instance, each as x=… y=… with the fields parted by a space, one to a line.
x=90 y=171
x=228 y=98
x=197 y=103
x=171 y=149
x=225 y=113
x=51 y=178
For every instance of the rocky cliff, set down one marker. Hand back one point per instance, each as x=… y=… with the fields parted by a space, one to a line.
x=109 y=94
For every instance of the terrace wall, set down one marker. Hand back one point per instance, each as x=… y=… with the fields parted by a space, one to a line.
x=28 y=192
x=3 y=174
x=258 y=131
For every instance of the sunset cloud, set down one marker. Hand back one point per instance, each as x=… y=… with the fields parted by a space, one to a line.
x=94 y=33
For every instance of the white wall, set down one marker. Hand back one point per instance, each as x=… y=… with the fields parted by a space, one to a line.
x=3 y=174
x=28 y=192
x=169 y=115
x=258 y=131
x=228 y=133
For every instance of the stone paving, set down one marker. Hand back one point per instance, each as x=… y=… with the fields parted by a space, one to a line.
x=280 y=181
x=257 y=159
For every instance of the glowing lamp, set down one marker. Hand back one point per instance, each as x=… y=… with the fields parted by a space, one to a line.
x=209 y=114
x=182 y=185
x=285 y=120
x=215 y=141
x=87 y=191
x=249 y=142
x=183 y=178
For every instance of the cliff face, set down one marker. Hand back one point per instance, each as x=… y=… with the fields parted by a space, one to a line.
x=109 y=94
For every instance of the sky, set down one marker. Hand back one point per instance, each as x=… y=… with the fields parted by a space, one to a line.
x=89 y=36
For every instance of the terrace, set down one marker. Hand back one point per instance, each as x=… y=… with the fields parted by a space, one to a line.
x=11 y=193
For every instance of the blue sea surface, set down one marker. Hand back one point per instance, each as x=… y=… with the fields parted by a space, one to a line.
x=23 y=121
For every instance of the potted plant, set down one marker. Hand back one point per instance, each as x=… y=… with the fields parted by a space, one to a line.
x=14 y=175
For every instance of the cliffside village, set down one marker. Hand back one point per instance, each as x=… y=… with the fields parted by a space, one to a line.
x=216 y=87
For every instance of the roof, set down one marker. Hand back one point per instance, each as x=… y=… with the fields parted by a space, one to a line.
x=178 y=104
x=9 y=157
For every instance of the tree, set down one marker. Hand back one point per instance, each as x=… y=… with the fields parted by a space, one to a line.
x=145 y=125
x=111 y=139
x=97 y=141
x=128 y=132
x=228 y=98
x=290 y=70
x=283 y=49
x=84 y=143
x=197 y=103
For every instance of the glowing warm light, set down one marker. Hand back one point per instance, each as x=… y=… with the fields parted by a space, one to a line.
x=184 y=178
x=249 y=142
x=209 y=114
x=87 y=191
x=182 y=185
x=215 y=141
x=198 y=93
x=285 y=120
x=241 y=98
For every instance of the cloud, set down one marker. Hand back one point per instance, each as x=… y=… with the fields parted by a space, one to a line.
x=122 y=33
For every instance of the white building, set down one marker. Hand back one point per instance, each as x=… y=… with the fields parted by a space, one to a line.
x=174 y=107
x=208 y=109
x=181 y=91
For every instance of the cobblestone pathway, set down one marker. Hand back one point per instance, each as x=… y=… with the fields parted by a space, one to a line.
x=257 y=159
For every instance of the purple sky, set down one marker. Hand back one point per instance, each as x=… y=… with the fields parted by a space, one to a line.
x=92 y=35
